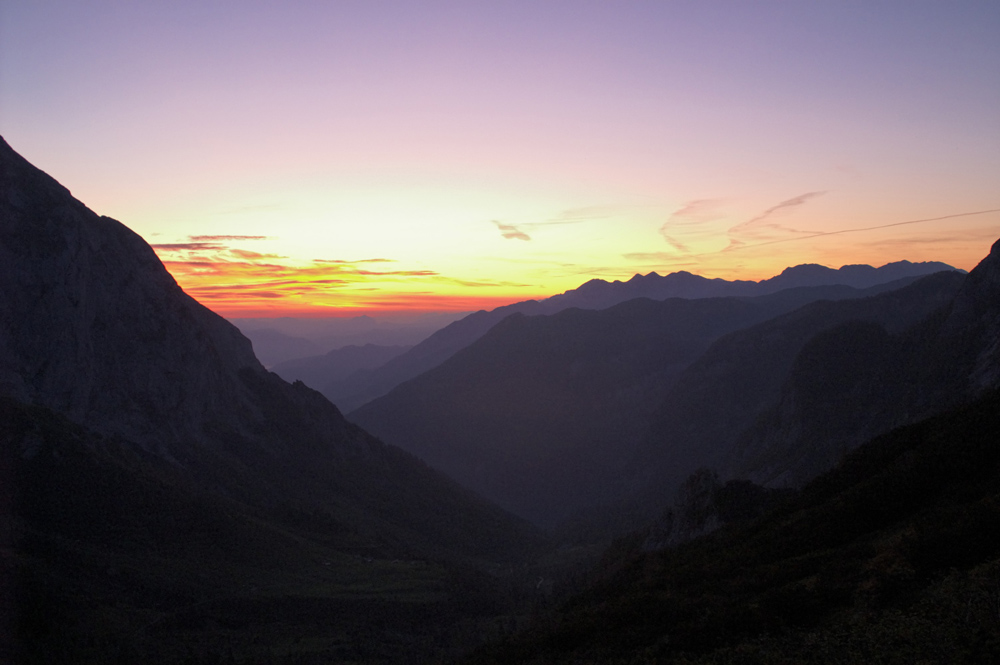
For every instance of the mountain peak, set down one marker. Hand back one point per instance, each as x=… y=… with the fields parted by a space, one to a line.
x=94 y=324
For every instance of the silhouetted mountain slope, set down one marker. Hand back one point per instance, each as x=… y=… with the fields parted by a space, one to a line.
x=856 y=380
x=329 y=372
x=110 y=371
x=273 y=346
x=600 y=294
x=542 y=413
x=740 y=378
x=893 y=557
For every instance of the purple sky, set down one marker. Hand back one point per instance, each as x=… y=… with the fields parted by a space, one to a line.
x=500 y=150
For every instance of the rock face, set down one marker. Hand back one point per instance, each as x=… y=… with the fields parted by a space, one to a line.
x=94 y=328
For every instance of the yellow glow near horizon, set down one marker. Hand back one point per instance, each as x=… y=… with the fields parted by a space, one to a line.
x=494 y=152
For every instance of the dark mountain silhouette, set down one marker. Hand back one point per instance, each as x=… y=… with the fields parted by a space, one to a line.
x=893 y=557
x=278 y=340
x=330 y=372
x=601 y=294
x=739 y=380
x=157 y=479
x=543 y=413
x=858 y=379
x=273 y=347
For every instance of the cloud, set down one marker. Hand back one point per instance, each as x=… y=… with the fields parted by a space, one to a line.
x=665 y=259
x=688 y=222
x=793 y=202
x=224 y=238
x=343 y=261
x=576 y=215
x=511 y=232
x=246 y=254
x=569 y=216
x=756 y=228
x=819 y=234
x=188 y=247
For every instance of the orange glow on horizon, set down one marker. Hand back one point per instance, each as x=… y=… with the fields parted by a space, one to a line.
x=239 y=283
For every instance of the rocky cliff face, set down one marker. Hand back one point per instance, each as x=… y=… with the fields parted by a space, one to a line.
x=975 y=316
x=93 y=326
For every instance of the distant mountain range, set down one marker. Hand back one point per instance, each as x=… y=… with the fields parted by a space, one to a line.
x=278 y=340
x=879 y=417
x=374 y=382
x=549 y=415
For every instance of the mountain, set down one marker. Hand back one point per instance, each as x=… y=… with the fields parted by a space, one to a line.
x=280 y=339
x=543 y=413
x=601 y=294
x=857 y=380
x=163 y=492
x=329 y=372
x=737 y=383
x=272 y=347
x=892 y=557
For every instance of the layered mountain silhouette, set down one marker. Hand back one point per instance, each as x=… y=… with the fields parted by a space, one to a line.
x=151 y=464
x=335 y=371
x=544 y=414
x=737 y=385
x=891 y=555
x=600 y=294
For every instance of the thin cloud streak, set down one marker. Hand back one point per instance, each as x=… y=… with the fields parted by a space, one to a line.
x=820 y=234
x=511 y=232
x=757 y=225
x=234 y=281
x=693 y=215
x=224 y=238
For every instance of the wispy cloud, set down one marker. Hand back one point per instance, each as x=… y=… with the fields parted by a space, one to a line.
x=511 y=231
x=583 y=214
x=660 y=259
x=520 y=230
x=806 y=235
x=343 y=261
x=224 y=238
x=189 y=247
x=762 y=229
x=236 y=281
x=690 y=220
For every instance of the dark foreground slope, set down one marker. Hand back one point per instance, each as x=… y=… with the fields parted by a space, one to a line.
x=893 y=557
x=161 y=489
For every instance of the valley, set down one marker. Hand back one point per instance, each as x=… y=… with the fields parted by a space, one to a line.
x=668 y=469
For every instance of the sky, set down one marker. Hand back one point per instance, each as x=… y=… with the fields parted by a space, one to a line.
x=340 y=158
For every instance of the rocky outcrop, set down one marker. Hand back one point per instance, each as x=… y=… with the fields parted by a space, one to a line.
x=93 y=326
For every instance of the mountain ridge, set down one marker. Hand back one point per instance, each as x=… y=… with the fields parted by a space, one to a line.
x=600 y=294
